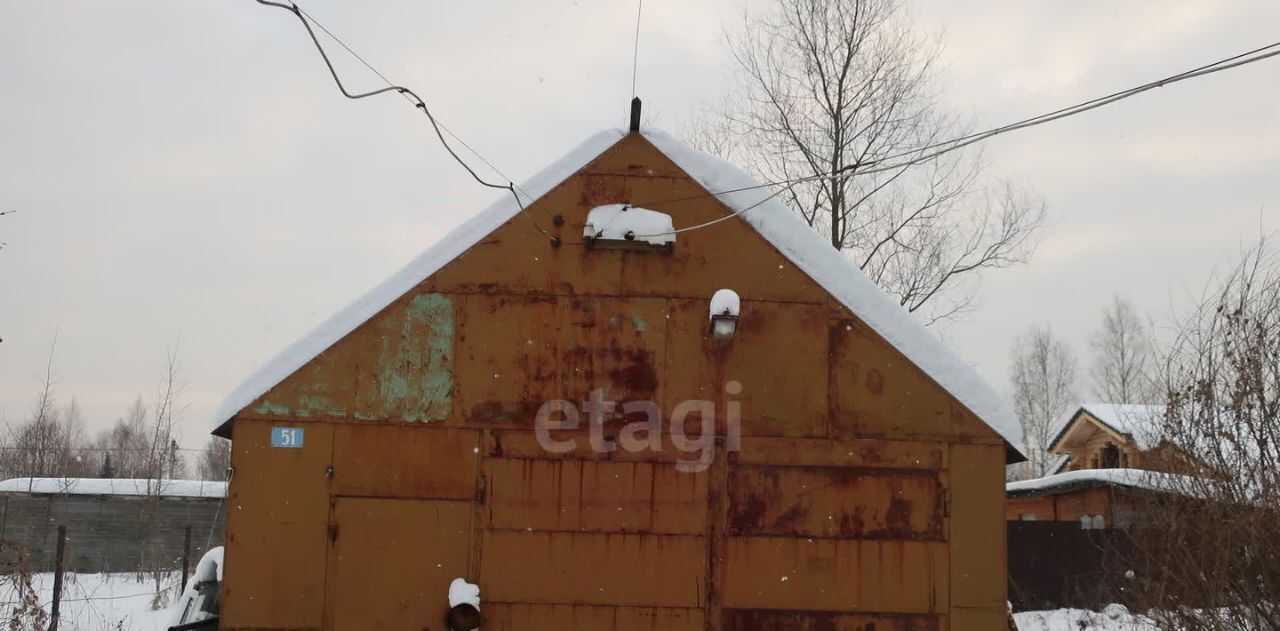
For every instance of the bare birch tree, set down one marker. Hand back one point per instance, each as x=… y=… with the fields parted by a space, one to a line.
x=1122 y=357
x=840 y=86
x=1044 y=387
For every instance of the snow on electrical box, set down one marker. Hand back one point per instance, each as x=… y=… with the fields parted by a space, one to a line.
x=623 y=224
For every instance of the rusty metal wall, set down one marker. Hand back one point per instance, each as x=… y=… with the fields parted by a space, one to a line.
x=863 y=495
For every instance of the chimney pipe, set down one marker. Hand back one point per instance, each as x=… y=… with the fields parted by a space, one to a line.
x=635 y=114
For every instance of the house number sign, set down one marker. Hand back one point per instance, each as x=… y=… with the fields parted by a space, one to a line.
x=287 y=437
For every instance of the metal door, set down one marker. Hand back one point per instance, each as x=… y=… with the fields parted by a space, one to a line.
x=390 y=562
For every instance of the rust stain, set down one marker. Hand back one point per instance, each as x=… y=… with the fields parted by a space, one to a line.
x=773 y=620
x=595 y=191
x=898 y=516
x=827 y=502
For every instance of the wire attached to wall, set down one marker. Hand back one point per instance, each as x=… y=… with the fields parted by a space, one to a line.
x=408 y=94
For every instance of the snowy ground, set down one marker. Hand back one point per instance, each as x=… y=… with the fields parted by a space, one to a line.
x=1113 y=618
x=101 y=602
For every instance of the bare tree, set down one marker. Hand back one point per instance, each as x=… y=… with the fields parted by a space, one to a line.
x=839 y=87
x=121 y=451
x=1122 y=357
x=1211 y=558
x=162 y=455
x=215 y=460
x=40 y=446
x=1044 y=387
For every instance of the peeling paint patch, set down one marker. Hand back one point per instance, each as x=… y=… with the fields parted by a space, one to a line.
x=415 y=369
x=637 y=322
x=319 y=404
x=267 y=407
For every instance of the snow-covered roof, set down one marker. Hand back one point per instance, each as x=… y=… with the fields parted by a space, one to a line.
x=114 y=486
x=1130 y=478
x=1139 y=422
x=791 y=236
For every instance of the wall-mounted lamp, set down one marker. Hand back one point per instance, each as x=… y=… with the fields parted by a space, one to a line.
x=725 y=305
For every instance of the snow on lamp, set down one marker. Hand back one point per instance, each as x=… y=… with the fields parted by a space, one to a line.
x=725 y=305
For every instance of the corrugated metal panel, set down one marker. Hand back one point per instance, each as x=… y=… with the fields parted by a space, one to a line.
x=836 y=502
x=978 y=543
x=878 y=393
x=594 y=496
x=506 y=358
x=591 y=568
x=772 y=620
x=277 y=530
x=853 y=452
x=522 y=352
x=979 y=619
x=391 y=561
x=774 y=401
x=405 y=461
x=836 y=575
x=527 y=617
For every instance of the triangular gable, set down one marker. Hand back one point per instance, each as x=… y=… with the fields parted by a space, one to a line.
x=1125 y=422
x=788 y=234
x=1080 y=418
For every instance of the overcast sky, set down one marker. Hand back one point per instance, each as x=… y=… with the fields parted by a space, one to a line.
x=188 y=178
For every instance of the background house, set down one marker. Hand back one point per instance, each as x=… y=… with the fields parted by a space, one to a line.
x=1109 y=461
x=395 y=449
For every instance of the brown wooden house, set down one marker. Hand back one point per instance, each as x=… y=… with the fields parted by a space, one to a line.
x=1109 y=460
x=1111 y=436
x=396 y=448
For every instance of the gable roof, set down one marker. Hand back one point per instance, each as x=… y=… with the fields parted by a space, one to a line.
x=790 y=235
x=1141 y=423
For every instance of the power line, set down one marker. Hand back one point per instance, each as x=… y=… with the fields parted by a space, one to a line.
x=635 y=51
x=929 y=152
x=409 y=95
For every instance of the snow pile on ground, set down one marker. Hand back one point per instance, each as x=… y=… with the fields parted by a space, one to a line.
x=1116 y=618
x=1112 y=618
x=97 y=602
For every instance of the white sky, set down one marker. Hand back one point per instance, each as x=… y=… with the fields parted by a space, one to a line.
x=187 y=176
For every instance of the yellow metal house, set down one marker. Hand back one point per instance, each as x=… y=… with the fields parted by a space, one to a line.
x=814 y=458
